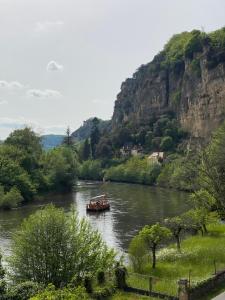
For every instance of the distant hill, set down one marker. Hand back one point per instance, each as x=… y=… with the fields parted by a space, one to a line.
x=50 y=141
x=84 y=131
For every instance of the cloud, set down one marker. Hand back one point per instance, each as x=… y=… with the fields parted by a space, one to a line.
x=11 y=85
x=54 y=66
x=2 y=102
x=16 y=123
x=46 y=26
x=35 y=93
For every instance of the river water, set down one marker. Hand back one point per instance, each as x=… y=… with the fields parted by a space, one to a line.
x=132 y=207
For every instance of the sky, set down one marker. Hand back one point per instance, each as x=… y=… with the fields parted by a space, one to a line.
x=63 y=61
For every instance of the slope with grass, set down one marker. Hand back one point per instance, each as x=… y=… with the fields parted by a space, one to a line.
x=197 y=259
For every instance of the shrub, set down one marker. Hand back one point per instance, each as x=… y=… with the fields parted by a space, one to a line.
x=51 y=293
x=23 y=291
x=11 y=199
x=45 y=241
x=91 y=170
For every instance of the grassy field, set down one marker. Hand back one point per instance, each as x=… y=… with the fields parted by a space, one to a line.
x=129 y=296
x=196 y=259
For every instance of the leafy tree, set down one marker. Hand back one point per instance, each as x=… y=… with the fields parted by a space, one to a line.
x=153 y=236
x=2 y=271
x=10 y=199
x=121 y=137
x=51 y=247
x=91 y=170
x=104 y=149
x=202 y=199
x=61 y=168
x=86 y=150
x=198 y=219
x=212 y=169
x=12 y=174
x=176 y=226
x=95 y=136
x=166 y=143
x=137 y=253
x=30 y=144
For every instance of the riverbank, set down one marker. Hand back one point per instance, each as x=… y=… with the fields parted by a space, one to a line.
x=175 y=172
x=200 y=257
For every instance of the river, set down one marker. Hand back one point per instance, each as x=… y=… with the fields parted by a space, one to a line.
x=132 y=207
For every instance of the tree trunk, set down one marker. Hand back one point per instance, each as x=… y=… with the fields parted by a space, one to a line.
x=205 y=229
x=153 y=257
x=177 y=237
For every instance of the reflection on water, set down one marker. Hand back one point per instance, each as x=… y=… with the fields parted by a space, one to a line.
x=132 y=207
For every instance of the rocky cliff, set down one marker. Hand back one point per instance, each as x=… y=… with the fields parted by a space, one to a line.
x=187 y=79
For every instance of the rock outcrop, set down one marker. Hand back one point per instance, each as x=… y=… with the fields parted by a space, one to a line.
x=192 y=88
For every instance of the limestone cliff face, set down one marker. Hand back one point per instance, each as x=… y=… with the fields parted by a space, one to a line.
x=193 y=90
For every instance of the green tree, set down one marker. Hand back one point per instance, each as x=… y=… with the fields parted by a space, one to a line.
x=95 y=136
x=104 y=149
x=11 y=199
x=68 y=139
x=212 y=169
x=176 y=226
x=137 y=253
x=51 y=247
x=86 y=150
x=30 y=144
x=60 y=166
x=153 y=236
x=166 y=143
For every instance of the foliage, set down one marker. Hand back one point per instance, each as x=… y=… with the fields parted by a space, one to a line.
x=10 y=199
x=176 y=226
x=26 y=167
x=179 y=173
x=51 y=293
x=95 y=136
x=202 y=199
x=212 y=169
x=85 y=151
x=23 y=291
x=135 y=170
x=104 y=149
x=137 y=253
x=153 y=236
x=41 y=248
x=166 y=143
x=91 y=170
x=60 y=167
x=176 y=97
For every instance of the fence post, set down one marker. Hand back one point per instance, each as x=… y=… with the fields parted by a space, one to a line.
x=150 y=284
x=214 y=262
x=183 y=289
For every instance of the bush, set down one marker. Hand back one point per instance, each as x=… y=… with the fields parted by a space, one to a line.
x=91 y=170
x=166 y=143
x=51 y=293
x=45 y=241
x=103 y=292
x=23 y=291
x=135 y=170
x=10 y=199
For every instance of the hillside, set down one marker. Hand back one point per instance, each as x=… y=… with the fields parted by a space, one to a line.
x=186 y=79
x=84 y=131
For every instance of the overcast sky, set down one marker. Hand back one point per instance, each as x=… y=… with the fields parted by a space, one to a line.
x=63 y=61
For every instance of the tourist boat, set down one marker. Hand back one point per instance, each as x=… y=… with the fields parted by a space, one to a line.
x=98 y=203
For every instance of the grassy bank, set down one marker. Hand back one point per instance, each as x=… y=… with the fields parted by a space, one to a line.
x=129 y=296
x=196 y=260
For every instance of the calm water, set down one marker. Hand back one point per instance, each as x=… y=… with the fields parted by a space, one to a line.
x=132 y=207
